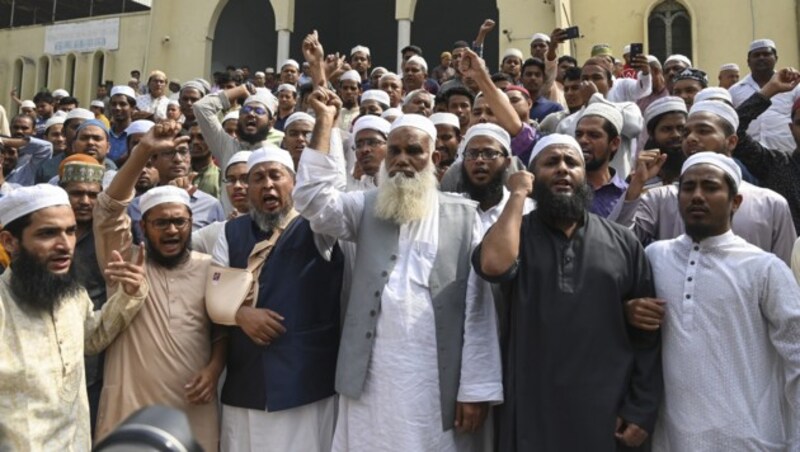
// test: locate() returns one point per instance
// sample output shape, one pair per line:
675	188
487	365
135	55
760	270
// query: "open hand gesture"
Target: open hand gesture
130	275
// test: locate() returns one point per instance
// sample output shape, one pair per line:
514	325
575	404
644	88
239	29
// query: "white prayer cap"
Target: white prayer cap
389	75
626	50
714	93
678	57
298	116
757	44
418	122
123	89
351	75
27	104
361	49
239	157
417	92
721	109
264	97
540	37
556	139
419	60
60	93
446	119
260	74
290	62
174	102
79	113
513	52
270	70
391	113
605	111
492	131
377	95
664	105
729	67
371	122
270	153
376	69
139	126
232	115
60	113
162	195
198	84
653	59
25	200
287	87
721	161
54	120
97	103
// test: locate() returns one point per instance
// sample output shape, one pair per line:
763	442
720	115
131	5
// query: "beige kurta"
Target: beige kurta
165	346
43	402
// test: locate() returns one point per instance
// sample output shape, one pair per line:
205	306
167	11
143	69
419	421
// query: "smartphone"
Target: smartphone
573	32
637	48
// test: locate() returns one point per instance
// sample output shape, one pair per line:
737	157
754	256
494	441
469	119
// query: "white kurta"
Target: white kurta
771	129
399	408
489	216
730	347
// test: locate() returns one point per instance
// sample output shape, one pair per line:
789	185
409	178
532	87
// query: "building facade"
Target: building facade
190	38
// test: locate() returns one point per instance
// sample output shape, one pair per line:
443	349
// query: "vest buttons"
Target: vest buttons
377	293
372	313
393	257
384	273
369	335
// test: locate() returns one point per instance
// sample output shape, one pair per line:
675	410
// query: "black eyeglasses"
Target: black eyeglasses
260	111
183	152
369	142
485	154
233	180
163	224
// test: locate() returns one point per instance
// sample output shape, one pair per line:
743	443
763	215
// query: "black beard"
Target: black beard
491	192
168	262
36	288
252	138
675	158
553	207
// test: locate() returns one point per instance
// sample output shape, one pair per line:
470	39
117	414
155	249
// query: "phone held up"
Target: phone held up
636	49
573	32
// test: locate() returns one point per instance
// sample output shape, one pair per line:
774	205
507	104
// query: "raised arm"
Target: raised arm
499	250
472	66
486	27
315	56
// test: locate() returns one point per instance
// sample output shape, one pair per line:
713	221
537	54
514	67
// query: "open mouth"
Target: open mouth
269	202
60	263
170	245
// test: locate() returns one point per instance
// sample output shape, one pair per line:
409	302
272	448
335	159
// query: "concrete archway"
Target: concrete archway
245	35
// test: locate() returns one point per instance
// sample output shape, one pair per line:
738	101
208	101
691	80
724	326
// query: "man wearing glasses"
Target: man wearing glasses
173	169
170	355
252	129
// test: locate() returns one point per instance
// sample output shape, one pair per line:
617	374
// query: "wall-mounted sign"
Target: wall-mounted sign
80	37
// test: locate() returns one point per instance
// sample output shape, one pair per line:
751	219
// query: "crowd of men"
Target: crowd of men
556	256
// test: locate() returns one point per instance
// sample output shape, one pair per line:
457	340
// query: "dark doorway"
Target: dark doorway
245	36
346	23
439	23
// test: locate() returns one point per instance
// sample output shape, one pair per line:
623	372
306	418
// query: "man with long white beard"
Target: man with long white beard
419	352
47	322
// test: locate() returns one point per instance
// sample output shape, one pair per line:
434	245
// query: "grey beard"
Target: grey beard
267	222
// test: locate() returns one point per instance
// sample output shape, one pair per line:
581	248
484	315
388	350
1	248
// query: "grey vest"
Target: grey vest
448	285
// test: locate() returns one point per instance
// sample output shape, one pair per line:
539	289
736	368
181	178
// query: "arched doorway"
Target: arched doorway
669	30
344	24
439	23
245	36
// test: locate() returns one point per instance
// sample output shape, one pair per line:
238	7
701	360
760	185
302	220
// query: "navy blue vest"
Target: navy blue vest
297	283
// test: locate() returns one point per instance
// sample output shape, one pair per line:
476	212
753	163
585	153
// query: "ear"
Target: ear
10	243
732	141
615	143
737	201
436	157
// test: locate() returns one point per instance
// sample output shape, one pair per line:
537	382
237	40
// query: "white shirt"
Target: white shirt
631	90
157	106
730	347
489	217
399	408
771	129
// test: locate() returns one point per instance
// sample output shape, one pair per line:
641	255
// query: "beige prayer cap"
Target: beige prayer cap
156	73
